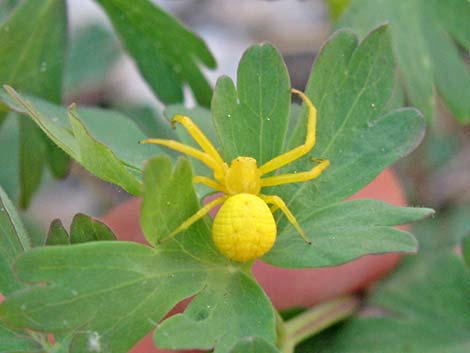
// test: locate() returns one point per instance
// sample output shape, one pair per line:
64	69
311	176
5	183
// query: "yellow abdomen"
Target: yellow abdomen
244	228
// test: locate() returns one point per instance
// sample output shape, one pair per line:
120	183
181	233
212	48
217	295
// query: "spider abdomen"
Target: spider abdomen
244	228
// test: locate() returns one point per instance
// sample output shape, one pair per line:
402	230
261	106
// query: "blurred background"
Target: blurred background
98	72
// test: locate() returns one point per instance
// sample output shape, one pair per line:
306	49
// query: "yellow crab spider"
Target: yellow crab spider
244	228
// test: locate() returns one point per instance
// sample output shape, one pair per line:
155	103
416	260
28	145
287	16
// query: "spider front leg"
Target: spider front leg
279	203
297	177
195	217
301	150
198	136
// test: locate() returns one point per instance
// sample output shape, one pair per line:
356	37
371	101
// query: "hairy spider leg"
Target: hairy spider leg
279	203
198	136
296	153
297	177
195	217
190	151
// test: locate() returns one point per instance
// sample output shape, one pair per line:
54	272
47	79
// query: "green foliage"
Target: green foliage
427	36
82	230
424	308
106	295
342	232
9	137
257	109
111	154
166	53
13	242
92	53
145	284
31	59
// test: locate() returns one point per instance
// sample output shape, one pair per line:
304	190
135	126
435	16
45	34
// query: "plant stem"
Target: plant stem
315	320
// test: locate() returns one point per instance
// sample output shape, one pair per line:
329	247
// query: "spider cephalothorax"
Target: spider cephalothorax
244	228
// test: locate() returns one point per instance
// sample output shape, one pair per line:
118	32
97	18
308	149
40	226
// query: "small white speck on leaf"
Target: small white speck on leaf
94	344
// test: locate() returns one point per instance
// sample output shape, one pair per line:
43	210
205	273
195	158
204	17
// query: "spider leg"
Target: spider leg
190	151
296	153
297	177
198	136
195	217
208	182
279	203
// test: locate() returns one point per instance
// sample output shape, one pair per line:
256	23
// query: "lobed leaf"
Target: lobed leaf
355	131
100	159
155	40
251	120
424	308
81	279
431	59
111	154
31	59
72	285
344	231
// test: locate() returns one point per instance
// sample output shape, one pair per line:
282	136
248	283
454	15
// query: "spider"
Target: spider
244	228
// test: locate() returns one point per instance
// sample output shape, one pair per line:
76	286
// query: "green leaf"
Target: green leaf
344	231
99	159
13	242
161	212
166	53
254	345
57	235
355	130
32	159
112	154
12	341
229	292
93	51
231	308
431	59
251	120
424	308
31	59
9	137
82	230
85	229
144	284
